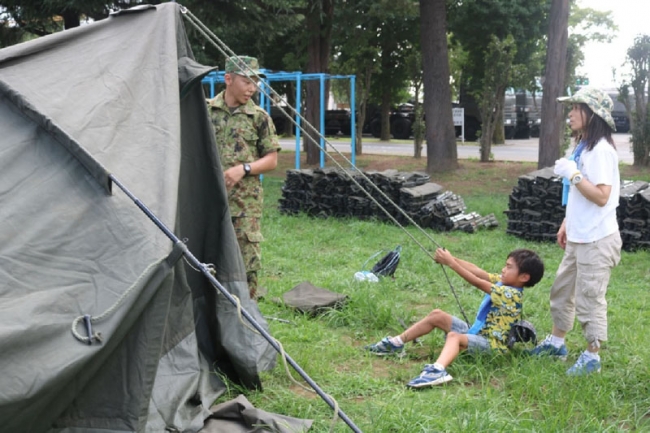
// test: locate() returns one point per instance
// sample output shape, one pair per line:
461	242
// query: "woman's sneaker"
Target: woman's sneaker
584	366
545	348
430	376
385	347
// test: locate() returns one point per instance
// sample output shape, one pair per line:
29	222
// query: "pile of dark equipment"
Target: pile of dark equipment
330	192
535	210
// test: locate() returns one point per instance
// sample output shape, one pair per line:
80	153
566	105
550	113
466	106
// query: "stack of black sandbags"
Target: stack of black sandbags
300	183
332	192
414	201
634	215
535	210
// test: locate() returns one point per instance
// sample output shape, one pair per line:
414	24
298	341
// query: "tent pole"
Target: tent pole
206	272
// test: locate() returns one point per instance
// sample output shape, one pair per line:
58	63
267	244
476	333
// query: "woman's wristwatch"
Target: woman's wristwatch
247	170
576	179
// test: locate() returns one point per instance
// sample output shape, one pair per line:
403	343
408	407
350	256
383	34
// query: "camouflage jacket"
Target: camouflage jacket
243	136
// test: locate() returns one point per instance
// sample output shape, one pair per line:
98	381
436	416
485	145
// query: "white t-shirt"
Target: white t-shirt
585	220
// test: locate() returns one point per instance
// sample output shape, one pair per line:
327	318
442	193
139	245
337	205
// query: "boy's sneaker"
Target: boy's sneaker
584	366
430	376
385	347
545	348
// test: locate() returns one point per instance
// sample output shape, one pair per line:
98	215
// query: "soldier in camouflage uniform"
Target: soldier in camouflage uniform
248	146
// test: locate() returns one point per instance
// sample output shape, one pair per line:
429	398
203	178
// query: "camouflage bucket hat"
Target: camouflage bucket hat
599	102
243	65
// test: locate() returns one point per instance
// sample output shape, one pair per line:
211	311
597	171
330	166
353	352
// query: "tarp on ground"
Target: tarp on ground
116	97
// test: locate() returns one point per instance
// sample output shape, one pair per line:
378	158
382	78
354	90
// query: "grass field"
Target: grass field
490	393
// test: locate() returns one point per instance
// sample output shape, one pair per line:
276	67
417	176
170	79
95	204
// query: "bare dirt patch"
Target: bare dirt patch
302	392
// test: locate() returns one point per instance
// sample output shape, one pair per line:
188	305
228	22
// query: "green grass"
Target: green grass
491	393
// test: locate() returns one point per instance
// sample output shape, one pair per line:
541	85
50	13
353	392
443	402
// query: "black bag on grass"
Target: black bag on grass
387	266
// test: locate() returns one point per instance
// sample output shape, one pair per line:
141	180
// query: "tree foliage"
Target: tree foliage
356	52
42	18
263	29
282	34
499	57
638	56
585	25
376	40
397	39
414	62
473	22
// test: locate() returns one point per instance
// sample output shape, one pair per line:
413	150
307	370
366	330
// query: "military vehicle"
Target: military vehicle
336	121
521	118
619	113
401	118
512	116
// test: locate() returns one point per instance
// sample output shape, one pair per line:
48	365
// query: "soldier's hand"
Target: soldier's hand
232	176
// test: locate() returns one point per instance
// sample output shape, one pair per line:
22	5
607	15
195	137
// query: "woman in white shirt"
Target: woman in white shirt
589	233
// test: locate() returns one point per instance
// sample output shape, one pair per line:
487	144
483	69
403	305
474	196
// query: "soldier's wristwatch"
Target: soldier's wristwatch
247	170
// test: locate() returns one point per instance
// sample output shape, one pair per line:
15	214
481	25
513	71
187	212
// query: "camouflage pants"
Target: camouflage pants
249	237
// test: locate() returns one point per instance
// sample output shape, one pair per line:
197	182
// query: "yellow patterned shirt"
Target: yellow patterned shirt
504	311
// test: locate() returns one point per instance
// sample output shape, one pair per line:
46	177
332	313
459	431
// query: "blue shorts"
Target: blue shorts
475	343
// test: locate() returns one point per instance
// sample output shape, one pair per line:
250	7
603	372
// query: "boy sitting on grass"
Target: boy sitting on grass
501	307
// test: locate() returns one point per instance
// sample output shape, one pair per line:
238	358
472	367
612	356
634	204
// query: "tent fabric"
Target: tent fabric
240	416
116	97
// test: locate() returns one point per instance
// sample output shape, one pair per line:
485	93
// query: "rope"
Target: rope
284	360
89	319
208	272
227	52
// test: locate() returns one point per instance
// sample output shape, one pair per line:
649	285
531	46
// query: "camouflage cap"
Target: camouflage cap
599	102
243	65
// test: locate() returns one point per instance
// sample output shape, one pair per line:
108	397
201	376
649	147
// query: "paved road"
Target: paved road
512	150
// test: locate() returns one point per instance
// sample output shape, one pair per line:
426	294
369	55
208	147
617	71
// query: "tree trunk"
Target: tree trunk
641	129
319	25
442	154
385	116
552	127
70	19
487	128
364	86
417	133
499	136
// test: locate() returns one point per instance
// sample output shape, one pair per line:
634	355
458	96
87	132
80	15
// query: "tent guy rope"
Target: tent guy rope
227	52
207	271
89	320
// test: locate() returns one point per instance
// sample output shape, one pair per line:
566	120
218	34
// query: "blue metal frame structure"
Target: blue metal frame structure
214	78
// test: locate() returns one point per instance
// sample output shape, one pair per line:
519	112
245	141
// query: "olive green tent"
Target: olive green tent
119	97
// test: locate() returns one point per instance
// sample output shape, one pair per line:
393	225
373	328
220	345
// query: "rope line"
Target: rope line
227	52
97	336
208	272
284	362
